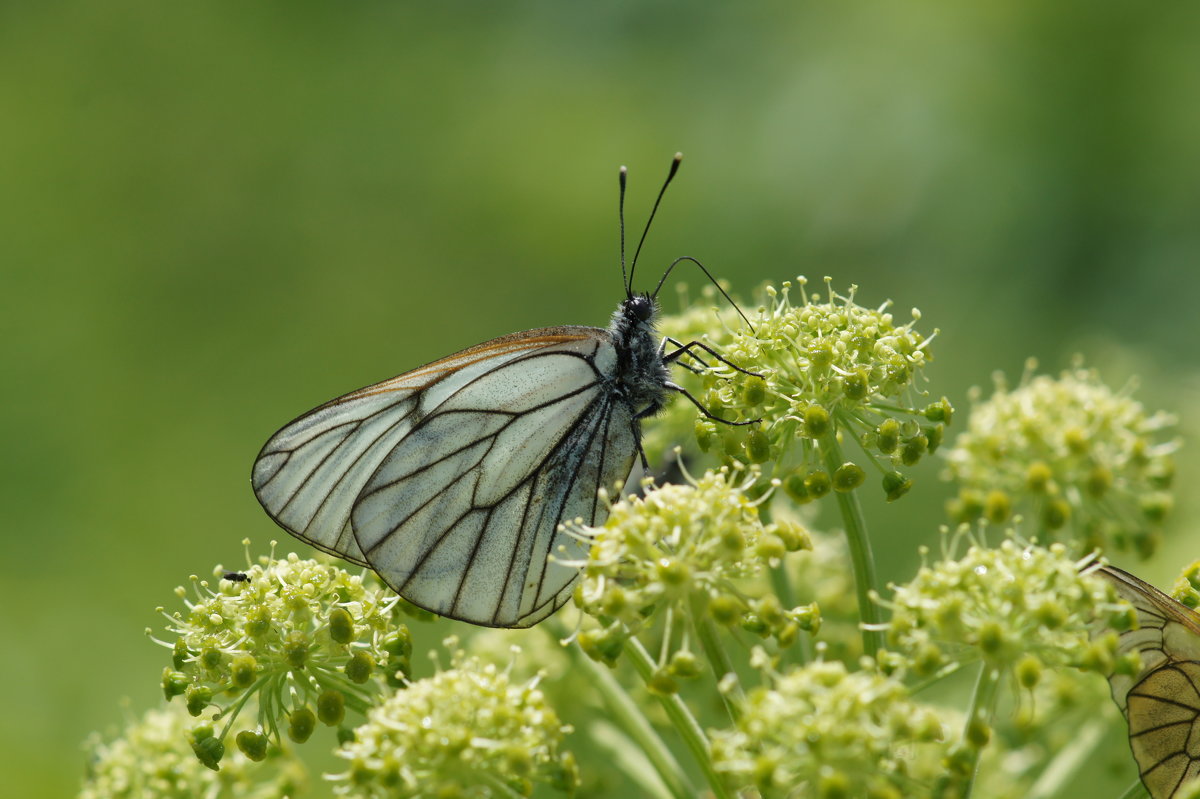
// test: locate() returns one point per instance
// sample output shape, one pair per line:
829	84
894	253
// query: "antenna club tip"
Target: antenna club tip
675	162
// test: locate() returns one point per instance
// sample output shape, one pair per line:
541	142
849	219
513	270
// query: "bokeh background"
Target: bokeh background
214	216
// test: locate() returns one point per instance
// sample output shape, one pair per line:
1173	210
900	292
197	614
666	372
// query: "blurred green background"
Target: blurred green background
214	216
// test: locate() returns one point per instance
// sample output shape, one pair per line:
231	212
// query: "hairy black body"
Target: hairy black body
642	378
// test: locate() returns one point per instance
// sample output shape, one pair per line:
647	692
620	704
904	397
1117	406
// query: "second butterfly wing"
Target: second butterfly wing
450	480
1162	701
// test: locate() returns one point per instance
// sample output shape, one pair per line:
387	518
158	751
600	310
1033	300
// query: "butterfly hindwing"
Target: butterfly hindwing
460	516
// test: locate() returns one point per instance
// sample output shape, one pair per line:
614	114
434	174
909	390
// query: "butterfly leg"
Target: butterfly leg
686	348
691	368
637	438
708	414
662	353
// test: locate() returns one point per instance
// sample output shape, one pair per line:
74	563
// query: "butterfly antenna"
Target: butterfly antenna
674	168
707	274
621	223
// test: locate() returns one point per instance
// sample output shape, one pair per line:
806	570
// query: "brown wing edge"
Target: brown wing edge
1170	606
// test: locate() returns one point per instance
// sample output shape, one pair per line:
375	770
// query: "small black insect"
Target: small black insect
236	577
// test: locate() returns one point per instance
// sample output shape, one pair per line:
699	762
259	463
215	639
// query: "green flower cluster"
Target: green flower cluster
1081	461
824	732
830	369
685	550
1187	588
151	759
470	730
1019	607
306	639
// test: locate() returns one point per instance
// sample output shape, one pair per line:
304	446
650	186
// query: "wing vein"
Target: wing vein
567	492
340	445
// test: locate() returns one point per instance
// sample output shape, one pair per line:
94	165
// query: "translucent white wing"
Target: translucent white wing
1162	702
450	480
460	516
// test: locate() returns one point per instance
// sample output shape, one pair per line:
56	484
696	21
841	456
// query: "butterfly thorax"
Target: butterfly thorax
641	375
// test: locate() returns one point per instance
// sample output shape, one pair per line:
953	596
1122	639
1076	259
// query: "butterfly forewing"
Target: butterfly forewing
1162	701
450	481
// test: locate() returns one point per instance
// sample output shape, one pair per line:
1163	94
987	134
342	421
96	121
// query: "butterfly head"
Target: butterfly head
639	309
632	328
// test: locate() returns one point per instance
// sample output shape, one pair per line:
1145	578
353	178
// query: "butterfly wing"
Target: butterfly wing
460	516
450	480
1162	702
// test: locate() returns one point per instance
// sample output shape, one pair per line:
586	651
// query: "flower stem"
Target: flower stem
685	723
860	550
983	703
498	785
781	586
718	658
1068	761
1136	791
630	719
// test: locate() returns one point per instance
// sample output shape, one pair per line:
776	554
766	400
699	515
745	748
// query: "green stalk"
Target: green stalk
1068	761
718	658
860	550
683	720
983	705
498	785
781	586
626	714
231	713
1136	791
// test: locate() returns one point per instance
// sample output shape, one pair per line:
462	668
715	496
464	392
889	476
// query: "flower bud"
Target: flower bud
243	670
331	707
253	744
818	483
301	723
816	421
895	485
848	477
888	436
341	626
359	667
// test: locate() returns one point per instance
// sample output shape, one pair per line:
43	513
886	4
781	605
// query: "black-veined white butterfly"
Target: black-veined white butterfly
1161	702
451	480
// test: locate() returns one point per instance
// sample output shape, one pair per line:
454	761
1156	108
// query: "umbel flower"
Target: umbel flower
822	731
151	759
1187	588
1082	462
304	639
831	369
1019	607
470	730
686	552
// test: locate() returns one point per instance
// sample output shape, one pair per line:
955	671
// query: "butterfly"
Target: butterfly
1162	701
451	481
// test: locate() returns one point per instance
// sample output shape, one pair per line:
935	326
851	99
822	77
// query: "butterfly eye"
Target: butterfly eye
640	308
